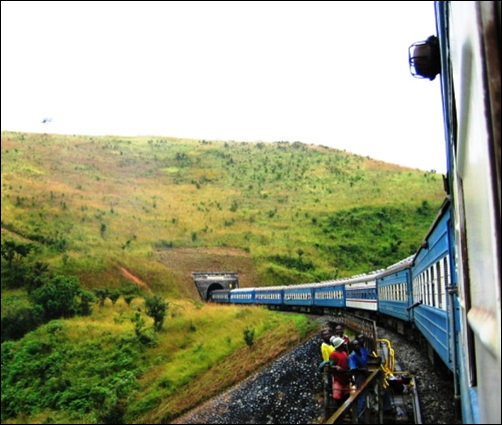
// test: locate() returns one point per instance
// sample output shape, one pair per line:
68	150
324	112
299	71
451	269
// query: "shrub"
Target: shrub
156	308
19	320
57	297
249	336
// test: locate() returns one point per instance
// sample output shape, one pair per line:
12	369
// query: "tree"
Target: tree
36	276
13	252
101	295
156	308
114	295
17	320
249	336
102	230
86	298
58	297
14	273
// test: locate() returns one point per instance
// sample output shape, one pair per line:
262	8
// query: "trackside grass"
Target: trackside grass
88	370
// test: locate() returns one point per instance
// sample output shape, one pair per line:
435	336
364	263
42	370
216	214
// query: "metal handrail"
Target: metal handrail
349	403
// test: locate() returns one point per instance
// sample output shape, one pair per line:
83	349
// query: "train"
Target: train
448	291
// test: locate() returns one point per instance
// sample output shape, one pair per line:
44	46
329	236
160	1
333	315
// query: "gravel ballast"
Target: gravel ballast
289	391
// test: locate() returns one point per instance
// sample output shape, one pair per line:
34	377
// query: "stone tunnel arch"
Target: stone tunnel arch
206	282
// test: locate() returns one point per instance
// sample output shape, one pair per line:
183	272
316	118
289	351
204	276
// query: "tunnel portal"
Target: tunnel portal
206	282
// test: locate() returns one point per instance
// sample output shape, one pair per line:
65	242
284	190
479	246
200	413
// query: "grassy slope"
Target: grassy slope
84	370
276	213
119	201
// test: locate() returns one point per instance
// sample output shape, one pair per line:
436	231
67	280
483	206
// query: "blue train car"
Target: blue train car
220	296
299	295
431	275
330	294
272	295
395	294
242	296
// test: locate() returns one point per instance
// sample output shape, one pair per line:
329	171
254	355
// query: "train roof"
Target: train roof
400	265
442	211
270	288
243	289
362	277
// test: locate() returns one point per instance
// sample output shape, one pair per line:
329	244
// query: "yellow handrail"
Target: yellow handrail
390	362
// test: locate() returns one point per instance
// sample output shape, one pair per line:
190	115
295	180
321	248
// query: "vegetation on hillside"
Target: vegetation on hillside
85	218
99	369
303	213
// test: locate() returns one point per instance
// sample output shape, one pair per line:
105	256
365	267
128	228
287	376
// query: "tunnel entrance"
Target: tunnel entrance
206	282
213	287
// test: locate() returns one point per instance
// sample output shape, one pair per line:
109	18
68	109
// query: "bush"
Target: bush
19	320
249	336
58	297
156	308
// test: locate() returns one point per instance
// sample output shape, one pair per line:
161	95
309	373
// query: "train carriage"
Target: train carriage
395	294
329	294
272	295
431	275
242	296
361	292
299	295
220	296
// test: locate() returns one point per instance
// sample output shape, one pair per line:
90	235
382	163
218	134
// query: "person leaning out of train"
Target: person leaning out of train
340	364
326	346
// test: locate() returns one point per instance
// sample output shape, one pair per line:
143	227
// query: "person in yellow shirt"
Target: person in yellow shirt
326	347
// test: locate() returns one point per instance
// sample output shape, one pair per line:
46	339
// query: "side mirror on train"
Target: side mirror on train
425	58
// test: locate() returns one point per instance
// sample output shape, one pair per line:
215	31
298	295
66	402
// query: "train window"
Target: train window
421	288
426	286
447	279
429	282
416	293
439	275
419	295
433	287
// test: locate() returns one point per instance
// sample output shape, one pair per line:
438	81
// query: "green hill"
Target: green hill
300	213
109	212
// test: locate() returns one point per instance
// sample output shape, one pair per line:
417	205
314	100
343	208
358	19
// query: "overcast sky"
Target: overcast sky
329	73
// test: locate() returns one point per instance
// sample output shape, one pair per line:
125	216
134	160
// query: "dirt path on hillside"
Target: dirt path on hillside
135	279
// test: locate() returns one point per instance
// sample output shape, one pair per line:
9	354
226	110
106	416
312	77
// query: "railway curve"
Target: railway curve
289	391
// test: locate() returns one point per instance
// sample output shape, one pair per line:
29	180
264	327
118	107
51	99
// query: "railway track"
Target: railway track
290	390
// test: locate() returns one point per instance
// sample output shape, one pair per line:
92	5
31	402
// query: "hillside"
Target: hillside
103	213
289	212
